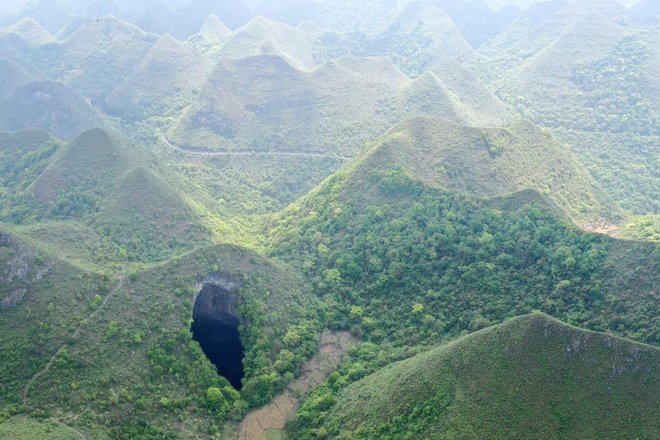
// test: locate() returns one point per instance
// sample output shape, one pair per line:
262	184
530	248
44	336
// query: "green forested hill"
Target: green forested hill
100	191
400	261
602	99
531	377
121	347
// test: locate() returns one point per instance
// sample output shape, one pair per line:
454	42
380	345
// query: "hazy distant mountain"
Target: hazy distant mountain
334	108
50	106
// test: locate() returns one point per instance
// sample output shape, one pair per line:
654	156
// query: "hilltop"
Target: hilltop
542	377
101	192
51	106
29	30
491	162
261	36
334	108
164	81
417	36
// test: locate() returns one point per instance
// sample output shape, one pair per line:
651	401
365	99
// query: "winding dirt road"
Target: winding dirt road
204	151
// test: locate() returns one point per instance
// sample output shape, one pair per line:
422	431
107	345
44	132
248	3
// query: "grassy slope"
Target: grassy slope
43	301
603	99
100	192
531	377
23	428
335	108
493	162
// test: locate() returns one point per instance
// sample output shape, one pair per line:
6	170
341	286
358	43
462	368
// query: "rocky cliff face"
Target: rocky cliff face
216	302
19	267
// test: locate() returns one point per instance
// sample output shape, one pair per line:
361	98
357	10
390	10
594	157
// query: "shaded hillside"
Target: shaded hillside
268	105
49	106
544	378
24	156
14	74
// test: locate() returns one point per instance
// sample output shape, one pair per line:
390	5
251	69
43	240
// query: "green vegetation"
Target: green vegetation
531	377
101	192
373	237
355	170
128	362
23	428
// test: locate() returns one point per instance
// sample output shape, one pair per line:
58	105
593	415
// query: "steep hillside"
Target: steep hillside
211	36
27	297
261	36
49	106
603	99
24	156
531	377
14	74
406	257
100	192
127	340
97	56
29	30
268	105
164	81
492	162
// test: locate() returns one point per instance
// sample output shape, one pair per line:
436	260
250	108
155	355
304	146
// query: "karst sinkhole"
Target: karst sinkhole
215	327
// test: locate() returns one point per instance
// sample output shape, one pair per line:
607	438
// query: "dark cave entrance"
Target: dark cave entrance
215	327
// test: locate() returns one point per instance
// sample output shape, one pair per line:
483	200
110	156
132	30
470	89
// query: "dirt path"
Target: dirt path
28	385
203	151
267	423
